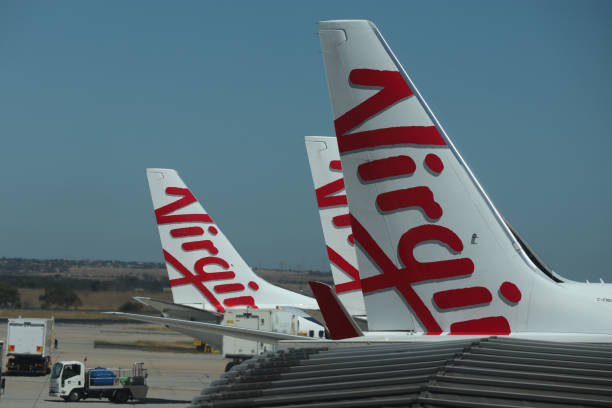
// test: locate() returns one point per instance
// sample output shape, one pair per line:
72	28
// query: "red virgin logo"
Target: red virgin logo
392	89
210	254
327	197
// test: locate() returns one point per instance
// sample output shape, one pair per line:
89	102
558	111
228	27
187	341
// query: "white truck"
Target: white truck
28	346
71	381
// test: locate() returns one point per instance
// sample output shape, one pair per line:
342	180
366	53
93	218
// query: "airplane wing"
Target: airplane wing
177	311
212	328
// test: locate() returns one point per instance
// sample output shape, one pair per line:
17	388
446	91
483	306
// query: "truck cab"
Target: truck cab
67	377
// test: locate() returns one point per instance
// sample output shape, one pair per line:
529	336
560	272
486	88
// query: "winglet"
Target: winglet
338	321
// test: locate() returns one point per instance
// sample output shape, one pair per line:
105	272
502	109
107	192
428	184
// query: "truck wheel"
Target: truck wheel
122	396
230	365
74	396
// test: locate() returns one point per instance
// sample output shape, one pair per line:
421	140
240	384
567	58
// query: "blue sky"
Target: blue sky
92	93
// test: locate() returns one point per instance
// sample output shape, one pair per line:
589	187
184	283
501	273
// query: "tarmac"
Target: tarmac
174	379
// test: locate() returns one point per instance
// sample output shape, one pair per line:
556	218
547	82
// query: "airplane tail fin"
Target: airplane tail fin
205	270
337	319
328	182
434	254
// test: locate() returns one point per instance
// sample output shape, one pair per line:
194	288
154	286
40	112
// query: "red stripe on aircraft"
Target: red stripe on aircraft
484	326
415	135
335	165
343	220
347	268
434	163
253	285
421	197
186	232
387	167
454	298
229	287
204	244
510	292
161	214
190	278
394	89
348	286
213	276
325	197
240	301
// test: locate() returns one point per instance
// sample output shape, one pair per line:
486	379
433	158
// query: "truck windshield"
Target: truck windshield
57	370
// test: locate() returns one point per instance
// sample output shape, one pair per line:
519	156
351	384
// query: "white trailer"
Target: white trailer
71	381
270	320
28	345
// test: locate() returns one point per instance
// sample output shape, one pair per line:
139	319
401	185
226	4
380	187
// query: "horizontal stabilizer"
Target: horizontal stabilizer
339	322
183	312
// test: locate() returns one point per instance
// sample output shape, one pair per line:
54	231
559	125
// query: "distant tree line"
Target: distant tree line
22	265
53	298
121	284
51	266
63	298
310	271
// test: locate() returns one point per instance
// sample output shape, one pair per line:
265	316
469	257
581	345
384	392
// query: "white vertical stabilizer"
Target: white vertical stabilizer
433	253
204	268
326	171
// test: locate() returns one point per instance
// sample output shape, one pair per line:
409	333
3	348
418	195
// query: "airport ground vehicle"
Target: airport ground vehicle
28	347
270	320
239	349
71	381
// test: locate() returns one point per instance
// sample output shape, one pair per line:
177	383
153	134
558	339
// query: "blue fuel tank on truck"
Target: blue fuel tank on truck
101	376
